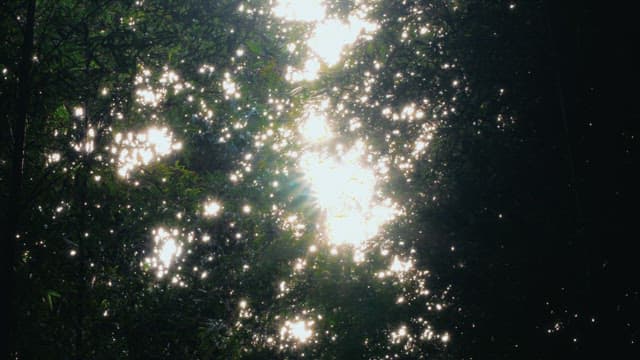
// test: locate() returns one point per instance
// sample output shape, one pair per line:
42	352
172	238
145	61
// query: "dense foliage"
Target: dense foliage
155	205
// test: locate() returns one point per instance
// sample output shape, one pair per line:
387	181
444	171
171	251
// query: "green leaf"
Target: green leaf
50	295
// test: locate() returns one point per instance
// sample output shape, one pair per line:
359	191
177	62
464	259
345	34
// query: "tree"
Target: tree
214	179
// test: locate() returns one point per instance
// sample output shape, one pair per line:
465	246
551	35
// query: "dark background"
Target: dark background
564	250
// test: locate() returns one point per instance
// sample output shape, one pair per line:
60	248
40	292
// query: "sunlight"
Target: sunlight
315	127
244	311
165	252
212	208
308	73
136	150
296	10
445	338
345	191
231	89
400	266
398	335
159	140
78	112
329	38
149	97
53	158
299	330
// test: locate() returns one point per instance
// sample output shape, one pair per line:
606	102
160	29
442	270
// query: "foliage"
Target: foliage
441	94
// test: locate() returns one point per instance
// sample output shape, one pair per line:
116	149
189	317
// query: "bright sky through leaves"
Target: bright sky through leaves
297	330
133	150
330	36
345	190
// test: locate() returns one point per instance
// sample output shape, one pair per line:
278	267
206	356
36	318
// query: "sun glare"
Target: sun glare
135	150
314	127
299	331
400	266
212	209
345	190
166	250
329	37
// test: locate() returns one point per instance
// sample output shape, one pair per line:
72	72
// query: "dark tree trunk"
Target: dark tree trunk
16	172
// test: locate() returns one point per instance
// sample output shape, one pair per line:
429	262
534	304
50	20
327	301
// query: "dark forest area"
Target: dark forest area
339	179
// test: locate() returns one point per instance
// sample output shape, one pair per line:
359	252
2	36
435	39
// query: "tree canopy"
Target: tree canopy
283	179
